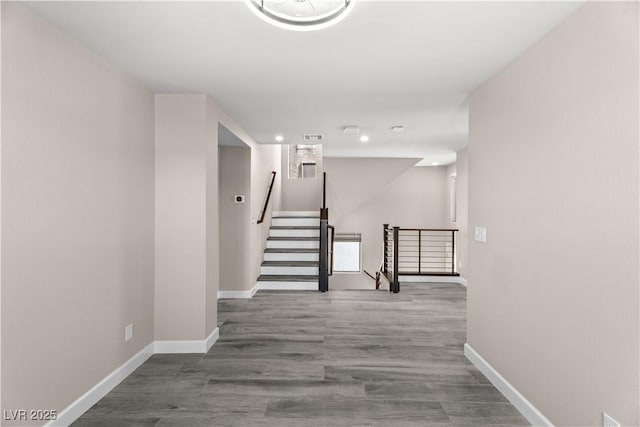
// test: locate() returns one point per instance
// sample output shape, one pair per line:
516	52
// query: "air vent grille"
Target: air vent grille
353	130
313	137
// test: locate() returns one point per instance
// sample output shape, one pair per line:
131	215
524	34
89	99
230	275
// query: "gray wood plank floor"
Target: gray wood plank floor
344	358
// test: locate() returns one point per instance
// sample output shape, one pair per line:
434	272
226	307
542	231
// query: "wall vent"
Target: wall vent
353	130
313	137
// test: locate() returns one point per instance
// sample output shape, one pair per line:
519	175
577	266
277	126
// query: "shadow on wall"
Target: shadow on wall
391	191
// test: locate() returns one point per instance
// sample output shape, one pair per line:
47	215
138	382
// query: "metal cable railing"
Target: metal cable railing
418	252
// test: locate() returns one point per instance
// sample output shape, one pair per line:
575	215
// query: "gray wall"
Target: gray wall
80	177
187	213
461	170
235	219
0	220
366	193
301	194
264	159
182	224
77	211
554	176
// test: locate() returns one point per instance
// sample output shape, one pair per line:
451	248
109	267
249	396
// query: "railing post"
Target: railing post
385	239
324	190
323	265
419	251
396	282
323	259
453	252
330	248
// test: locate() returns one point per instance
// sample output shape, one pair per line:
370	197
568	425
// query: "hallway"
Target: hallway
304	358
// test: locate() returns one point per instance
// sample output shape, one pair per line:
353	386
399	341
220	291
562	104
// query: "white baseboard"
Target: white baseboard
288	286
238	294
211	339
72	412
97	392
269	286
434	279
526	408
185	346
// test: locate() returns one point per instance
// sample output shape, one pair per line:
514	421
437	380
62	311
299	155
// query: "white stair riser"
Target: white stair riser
288	286
293	244
289	271
293	233
290	256
295	222
296	213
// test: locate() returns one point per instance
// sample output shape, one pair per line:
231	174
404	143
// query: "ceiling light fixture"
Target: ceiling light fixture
435	164
364	138
302	15
279	138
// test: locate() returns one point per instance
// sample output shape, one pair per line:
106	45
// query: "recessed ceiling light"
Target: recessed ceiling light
351	130
397	128
434	163
364	138
279	138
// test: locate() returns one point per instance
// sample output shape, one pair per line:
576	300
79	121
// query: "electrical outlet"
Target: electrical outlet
607	421
128	332
480	234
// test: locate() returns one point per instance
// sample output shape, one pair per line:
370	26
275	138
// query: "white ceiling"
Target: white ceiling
410	63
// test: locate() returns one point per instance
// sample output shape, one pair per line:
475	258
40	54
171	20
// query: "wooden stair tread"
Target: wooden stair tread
287	278
291	250
296	239
294	227
290	263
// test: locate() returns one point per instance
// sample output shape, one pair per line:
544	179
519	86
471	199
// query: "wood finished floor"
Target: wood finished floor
344	358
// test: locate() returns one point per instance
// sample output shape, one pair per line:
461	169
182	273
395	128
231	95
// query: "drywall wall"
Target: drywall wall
265	159
181	216
77	211
554	176
0	217
301	194
214	118
410	197
451	196
187	213
462	210
353	181
235	218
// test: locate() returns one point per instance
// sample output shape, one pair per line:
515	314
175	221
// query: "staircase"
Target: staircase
291	256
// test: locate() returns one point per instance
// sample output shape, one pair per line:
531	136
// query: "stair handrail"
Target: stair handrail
266	202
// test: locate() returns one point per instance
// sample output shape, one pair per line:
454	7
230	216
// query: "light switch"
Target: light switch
128	332
480	234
